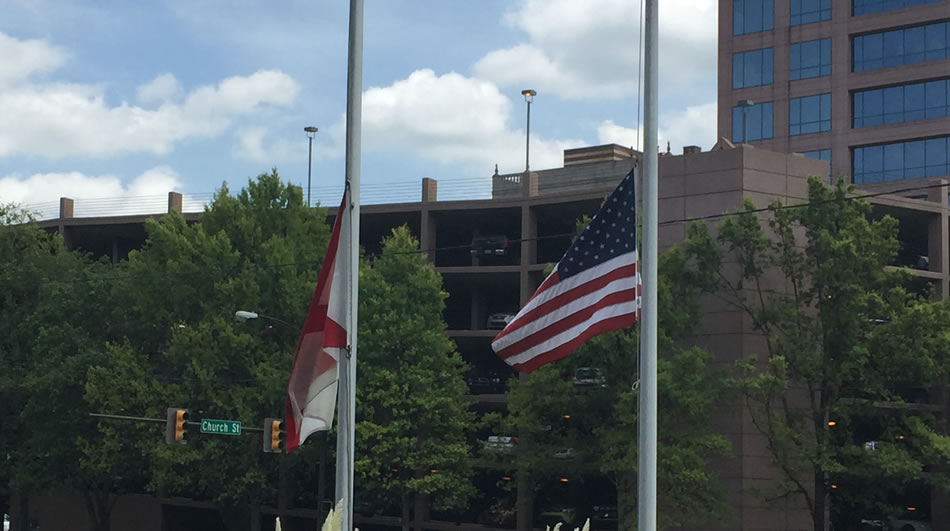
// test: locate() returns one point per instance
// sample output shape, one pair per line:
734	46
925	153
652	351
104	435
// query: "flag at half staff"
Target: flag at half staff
312	388
594	288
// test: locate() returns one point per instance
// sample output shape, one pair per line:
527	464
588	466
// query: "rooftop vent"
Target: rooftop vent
689	150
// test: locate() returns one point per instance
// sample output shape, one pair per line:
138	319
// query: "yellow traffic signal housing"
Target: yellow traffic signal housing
273	435
176	425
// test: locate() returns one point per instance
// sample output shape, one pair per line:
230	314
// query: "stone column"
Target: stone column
174	202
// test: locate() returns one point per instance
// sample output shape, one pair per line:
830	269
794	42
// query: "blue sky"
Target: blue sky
105	98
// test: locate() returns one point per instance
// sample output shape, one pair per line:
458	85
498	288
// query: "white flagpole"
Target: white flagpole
346	425
646	491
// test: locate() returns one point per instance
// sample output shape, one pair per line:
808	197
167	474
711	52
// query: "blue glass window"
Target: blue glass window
809	59
903	103
935	39
864	7
809	114
758	122
900	47
751	16
808	11
821	154
901	160
752	68
935	100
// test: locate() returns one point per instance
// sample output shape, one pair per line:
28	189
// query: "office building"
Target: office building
530	216
862	84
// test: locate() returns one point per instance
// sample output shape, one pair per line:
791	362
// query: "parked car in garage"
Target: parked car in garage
904	522
499	320
500	444
486	383
490	245
565	454
589	377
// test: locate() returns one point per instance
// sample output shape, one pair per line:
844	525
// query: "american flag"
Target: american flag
594	288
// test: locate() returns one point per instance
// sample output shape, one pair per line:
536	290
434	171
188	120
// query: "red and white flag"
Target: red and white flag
594	288
312	388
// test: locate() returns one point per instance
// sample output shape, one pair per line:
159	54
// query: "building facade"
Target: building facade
531	216
862	84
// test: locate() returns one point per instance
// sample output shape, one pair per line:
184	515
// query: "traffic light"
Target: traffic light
176	425
273	435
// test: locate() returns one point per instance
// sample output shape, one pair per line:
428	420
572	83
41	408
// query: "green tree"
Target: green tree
178	344
844	340
597	419
52	304
412	418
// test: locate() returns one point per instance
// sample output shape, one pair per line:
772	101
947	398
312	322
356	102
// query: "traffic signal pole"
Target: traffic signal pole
274	435
247	429
176	422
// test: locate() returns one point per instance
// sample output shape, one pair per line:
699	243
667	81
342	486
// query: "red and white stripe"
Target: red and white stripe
563	314
312	387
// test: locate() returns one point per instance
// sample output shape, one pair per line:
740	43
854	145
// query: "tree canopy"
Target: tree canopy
577	418
52	304
412	418
849	353
178	345
157	330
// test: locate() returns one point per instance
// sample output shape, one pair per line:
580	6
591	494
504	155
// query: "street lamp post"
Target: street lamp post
529	95
242	316
311	132
745	104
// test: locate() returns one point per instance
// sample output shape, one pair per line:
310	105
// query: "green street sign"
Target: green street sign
220	427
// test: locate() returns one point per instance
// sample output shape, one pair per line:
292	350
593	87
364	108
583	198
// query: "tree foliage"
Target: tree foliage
844	342
178	345
412	419
157	331
575	428
52	304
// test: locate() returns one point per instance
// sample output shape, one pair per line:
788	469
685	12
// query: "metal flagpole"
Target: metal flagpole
346	424
646	491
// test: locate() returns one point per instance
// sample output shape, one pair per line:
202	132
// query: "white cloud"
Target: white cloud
610	133
159	90
453	119
694	125
55	119
23	58
251	145
589	49
95	194
528	65
257	144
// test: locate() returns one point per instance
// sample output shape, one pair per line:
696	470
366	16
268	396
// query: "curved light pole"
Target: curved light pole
529	95
243	316
311	132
